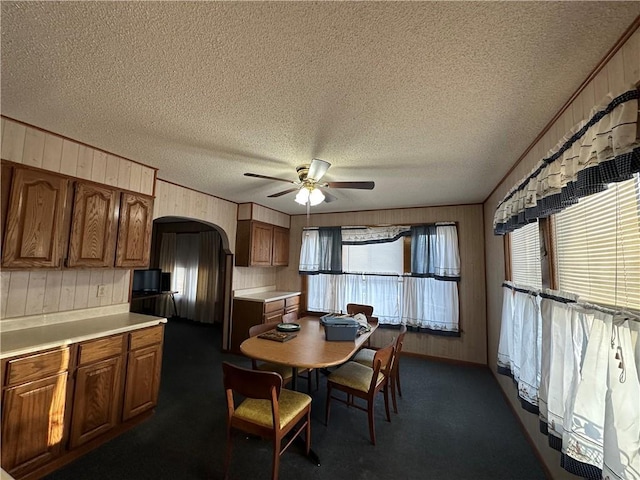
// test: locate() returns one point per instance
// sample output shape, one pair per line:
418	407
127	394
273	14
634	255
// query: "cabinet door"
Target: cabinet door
280	246
134	231
33	423
93	226
5	178
96	400
34	219
261	244
143	381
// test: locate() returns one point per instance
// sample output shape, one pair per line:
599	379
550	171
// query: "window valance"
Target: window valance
599	150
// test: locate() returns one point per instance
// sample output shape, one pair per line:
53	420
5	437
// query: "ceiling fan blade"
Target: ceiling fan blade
284	192
255	175
317	169
358	185
328	198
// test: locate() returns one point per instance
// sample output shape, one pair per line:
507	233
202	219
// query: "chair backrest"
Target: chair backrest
398	344
289	317
261	328
353	308
251	383
382	361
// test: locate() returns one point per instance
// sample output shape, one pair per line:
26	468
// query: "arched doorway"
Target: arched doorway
196	264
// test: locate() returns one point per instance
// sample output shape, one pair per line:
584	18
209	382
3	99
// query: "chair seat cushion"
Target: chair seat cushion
259	411
285	371
354	375
365	357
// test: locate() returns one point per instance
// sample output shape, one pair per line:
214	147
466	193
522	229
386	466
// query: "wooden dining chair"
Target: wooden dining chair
365	357
360	381
267	410
353	308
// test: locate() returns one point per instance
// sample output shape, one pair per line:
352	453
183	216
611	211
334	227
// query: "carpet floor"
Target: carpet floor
453	423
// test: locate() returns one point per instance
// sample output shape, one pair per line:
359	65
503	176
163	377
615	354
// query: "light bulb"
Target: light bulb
316	197
302	196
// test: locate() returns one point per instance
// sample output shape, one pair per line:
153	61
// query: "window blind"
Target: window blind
525	256
598	246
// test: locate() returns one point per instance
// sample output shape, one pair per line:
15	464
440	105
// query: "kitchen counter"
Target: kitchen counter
28	340
264	297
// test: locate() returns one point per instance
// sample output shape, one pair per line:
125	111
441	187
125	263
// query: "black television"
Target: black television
147	281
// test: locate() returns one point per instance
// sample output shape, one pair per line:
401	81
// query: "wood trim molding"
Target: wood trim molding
612	51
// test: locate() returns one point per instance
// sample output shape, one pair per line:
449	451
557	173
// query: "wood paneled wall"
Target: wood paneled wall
471	346
37	292
253	211
177	201
622	70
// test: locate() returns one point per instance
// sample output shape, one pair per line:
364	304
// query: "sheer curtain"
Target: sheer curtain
427	300
166	263
186	274
588	388
207	279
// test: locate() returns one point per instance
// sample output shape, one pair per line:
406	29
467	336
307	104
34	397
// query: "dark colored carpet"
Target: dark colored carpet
453	423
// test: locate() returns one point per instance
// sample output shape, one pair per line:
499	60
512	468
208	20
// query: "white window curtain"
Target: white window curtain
599	150
428	299
589	389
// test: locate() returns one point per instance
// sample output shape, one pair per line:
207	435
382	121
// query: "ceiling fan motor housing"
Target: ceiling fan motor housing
302	171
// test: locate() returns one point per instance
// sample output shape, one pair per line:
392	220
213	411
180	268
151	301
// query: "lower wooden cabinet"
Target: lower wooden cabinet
143	372
33	409
60	403
98	389
33	424
247	313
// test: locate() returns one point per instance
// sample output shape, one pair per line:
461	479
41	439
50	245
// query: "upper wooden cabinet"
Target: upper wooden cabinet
261	245
35	216
94	226
280	247
134	232
48	217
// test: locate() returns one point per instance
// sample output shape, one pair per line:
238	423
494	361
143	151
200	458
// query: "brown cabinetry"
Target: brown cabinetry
261	245
48	217
134	233
98	389
143	371
34	219
59	404
33	410
247	313
94	226
280	247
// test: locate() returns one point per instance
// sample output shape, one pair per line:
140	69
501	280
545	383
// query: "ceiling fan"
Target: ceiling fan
308	185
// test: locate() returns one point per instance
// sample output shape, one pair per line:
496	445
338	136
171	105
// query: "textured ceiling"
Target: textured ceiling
434	101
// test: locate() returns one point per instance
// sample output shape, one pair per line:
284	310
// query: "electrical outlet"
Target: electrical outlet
101	290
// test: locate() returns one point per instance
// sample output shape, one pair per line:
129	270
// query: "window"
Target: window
597	246
370	262
525	256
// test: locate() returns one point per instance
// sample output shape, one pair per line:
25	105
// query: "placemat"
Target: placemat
277	336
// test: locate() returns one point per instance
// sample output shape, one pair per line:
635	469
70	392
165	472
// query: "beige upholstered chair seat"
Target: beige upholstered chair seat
365	357
354	375
259	411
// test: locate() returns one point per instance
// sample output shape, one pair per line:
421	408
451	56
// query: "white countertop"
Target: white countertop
28	340
270	296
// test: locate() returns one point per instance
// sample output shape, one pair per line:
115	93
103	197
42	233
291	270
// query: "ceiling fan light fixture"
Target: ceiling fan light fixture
302	196
316	197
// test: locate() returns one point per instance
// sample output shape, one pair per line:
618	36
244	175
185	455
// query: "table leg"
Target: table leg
294	378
